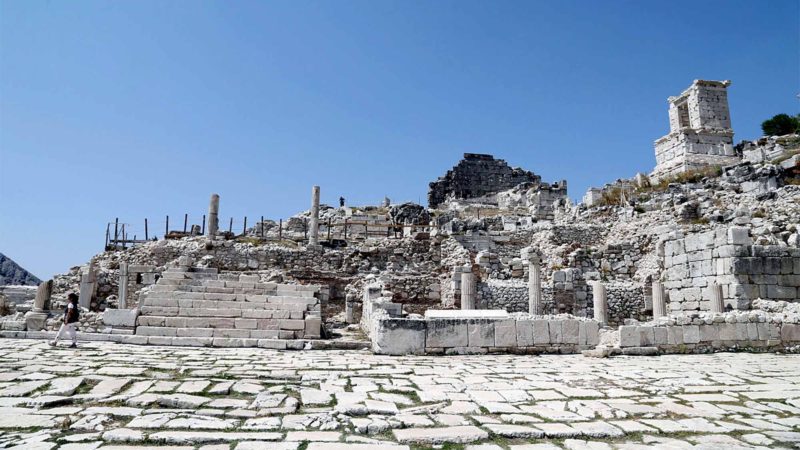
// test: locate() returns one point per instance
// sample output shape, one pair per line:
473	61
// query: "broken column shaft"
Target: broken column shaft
534	284
313	237
123	286
213	215
717	303
659	302
600	300
467	289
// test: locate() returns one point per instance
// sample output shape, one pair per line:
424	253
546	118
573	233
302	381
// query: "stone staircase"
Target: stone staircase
194	306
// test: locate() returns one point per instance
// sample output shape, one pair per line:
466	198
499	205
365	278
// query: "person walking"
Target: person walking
71	315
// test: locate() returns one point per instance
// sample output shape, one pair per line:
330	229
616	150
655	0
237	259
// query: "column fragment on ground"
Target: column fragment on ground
600	302
213	215
467	289
313	236
534	284
717	303
659	302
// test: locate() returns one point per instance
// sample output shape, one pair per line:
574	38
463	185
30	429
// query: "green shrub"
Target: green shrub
780	124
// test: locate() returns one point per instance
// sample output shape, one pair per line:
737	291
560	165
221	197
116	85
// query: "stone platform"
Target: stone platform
111	396
203	307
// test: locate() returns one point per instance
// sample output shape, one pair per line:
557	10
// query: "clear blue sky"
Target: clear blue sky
142	109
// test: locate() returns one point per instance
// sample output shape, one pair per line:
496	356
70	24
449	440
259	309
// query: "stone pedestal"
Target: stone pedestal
123	285
600	300
88	286
467	289
313	232
534	283
213	216
659	302
717	303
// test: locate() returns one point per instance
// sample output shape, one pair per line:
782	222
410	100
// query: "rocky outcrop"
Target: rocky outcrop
12	274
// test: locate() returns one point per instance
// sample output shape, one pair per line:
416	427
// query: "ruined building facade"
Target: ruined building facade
476	176
700	133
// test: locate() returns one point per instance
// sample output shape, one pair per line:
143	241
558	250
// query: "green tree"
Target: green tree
780	124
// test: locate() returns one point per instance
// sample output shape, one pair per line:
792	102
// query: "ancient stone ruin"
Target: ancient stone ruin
701	257
499	261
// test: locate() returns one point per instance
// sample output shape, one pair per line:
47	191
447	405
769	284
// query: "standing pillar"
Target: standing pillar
717	304
123	286
467	288
659	302
213	215
36	319
88	283
534	283
600	302
313	237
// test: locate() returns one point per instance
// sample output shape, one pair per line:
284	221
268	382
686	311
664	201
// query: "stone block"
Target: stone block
555	327
194	332
480	333
726	331
660	335
570	330
313	328
505	333
647	336
541	332
120	317
781	292
446	333
292	324
276	344
674	335
592	333
156	331
790	332
691	334
249	324
159	340
739	236
708	333
524	330
193	341
629	336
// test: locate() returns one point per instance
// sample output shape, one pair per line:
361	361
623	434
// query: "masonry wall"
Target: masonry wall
398	336
726	256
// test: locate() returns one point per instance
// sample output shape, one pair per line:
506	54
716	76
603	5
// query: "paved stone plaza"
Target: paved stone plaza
106	395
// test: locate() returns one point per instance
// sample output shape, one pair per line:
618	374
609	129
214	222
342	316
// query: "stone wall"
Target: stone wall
775	328
727	257
519	333
476	176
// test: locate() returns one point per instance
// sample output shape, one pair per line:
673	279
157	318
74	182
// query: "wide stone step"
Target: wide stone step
297	332
200	300
295	311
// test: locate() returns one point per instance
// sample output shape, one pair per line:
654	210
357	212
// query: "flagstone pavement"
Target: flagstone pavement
113	396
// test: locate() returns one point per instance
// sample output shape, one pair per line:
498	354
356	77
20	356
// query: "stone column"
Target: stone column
659	302
534	284
467	289
717	303
313	233
88	283
213	216
36	319
123	286
600	302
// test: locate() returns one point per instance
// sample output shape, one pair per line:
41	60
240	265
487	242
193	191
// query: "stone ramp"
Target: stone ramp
211	308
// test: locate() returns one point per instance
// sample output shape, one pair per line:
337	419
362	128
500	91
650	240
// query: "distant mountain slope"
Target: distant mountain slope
12	274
